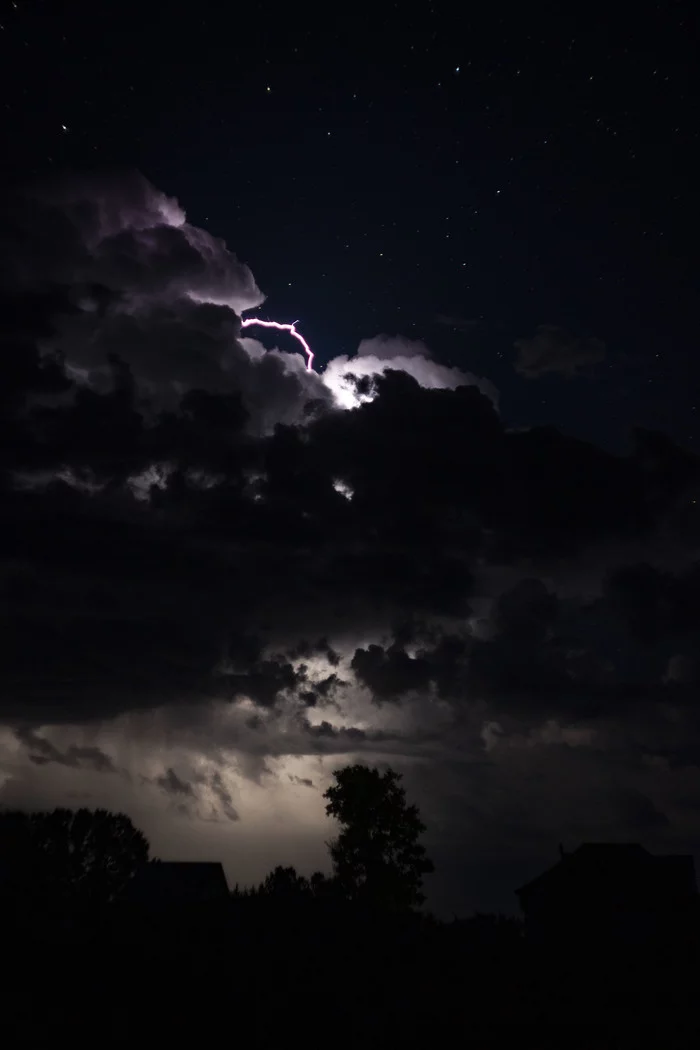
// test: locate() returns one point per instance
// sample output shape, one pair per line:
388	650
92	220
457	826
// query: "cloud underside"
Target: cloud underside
217	580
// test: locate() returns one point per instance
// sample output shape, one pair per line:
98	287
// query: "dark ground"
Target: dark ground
266	974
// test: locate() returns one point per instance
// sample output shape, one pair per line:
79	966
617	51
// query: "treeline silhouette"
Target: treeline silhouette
95	945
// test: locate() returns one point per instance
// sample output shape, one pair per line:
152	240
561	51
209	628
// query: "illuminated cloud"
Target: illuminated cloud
161	295
124	235
344	375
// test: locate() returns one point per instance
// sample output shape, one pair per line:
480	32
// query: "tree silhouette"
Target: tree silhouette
377	859
323	887
285	883
69	856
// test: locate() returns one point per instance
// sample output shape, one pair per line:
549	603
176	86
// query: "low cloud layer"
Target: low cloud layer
223	575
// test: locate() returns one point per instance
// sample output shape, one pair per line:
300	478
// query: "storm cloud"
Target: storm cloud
220	576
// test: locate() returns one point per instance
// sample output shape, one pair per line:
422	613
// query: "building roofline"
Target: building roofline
618	848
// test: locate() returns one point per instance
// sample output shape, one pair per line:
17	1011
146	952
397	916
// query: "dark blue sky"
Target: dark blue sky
378	171
380	168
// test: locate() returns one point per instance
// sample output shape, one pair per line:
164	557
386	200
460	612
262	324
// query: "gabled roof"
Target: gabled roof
170	881
616	860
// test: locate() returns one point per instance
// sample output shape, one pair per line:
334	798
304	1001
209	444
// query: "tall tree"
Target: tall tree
69	856
377	858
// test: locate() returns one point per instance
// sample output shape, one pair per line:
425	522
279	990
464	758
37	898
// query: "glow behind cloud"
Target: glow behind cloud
341	373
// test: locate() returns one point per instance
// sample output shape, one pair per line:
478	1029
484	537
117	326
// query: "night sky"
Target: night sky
223	575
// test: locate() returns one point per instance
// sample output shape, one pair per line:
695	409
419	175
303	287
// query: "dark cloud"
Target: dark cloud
306	650
190	794
301	781
223	796
42	752
159	586
553	349
266	683
344	739
323	690
171	784
193	796
390	673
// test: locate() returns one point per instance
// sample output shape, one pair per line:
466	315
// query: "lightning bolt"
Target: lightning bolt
284	328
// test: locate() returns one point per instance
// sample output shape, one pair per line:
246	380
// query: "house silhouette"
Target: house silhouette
168	905
163	883
611	892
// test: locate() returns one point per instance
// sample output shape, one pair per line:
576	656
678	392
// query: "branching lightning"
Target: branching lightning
284	328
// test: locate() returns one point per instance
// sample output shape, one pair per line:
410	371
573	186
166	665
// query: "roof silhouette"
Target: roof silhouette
607	862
